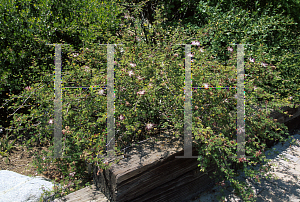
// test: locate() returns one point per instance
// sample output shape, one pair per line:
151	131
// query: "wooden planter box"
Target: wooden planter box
291	122
152	173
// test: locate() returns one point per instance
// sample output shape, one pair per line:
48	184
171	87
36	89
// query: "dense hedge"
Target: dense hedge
152	64
27	26
270	27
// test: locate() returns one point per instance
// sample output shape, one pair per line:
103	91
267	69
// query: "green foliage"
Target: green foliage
6	145
149	82
271	41
28	26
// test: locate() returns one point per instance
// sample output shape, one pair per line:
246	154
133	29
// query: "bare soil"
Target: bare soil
20	161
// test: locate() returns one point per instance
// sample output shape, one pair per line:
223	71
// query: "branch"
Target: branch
23	102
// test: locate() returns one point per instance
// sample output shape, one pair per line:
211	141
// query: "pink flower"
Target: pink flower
229	49
149	126
190	55
86	68
205	85
241	130
101	92
264	64
130	73
122	117
142	92
72	174
258	153
28	88
252	59
197	43
75	55
50	121
201	50
242	159
140	78
132	64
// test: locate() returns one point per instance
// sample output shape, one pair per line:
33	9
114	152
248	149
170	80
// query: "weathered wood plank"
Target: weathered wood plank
152	172
86	194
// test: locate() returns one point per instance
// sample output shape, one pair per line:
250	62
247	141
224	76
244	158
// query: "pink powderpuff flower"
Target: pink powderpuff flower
86	68
75	55
101	92
258	153
50	121
132	64
28	88
130	73
149	126
72	174
197	43
252	59
121	117
230	49
242	159
264	64
142	92
205	85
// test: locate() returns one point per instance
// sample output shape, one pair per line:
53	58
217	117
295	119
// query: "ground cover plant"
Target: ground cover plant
149	95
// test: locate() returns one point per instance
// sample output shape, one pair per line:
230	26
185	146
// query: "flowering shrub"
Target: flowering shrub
149	96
